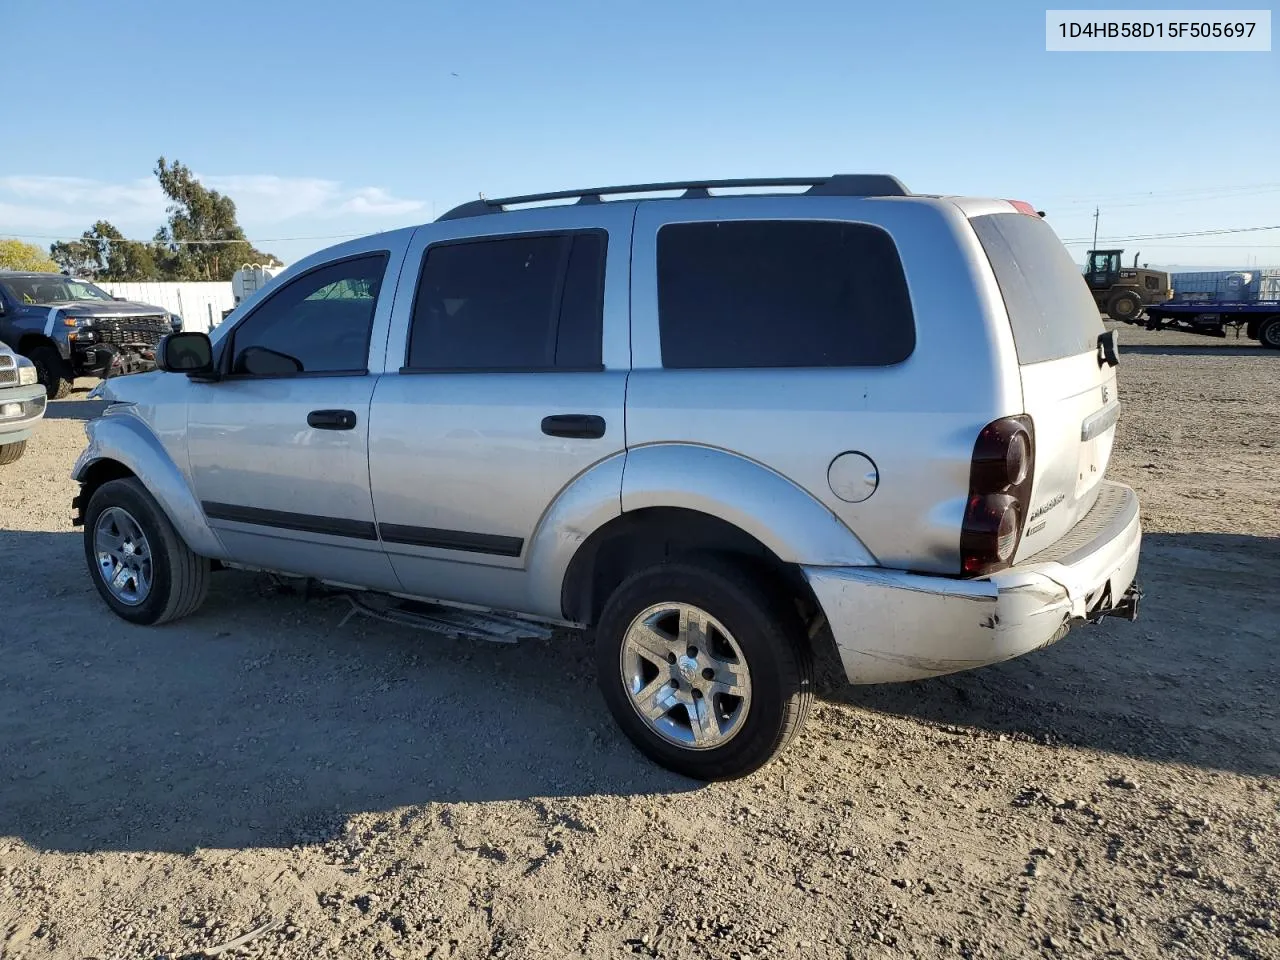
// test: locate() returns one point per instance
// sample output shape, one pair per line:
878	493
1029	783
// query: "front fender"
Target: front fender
125	439
784	517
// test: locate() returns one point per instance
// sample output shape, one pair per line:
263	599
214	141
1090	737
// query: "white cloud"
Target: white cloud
266	198
376	202
68	205
59	203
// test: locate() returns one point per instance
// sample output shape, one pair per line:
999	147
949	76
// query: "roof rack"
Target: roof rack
840	185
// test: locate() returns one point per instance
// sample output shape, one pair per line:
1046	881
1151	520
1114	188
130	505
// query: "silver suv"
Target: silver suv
718	428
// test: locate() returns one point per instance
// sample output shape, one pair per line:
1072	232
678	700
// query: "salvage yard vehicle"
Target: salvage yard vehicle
22	403
1120	291
70	328
716	429
1259	319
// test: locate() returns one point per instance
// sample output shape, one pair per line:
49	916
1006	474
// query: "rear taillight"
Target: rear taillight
1000	475
1023	207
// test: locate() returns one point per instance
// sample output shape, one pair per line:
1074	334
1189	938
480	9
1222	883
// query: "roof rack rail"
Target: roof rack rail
840	185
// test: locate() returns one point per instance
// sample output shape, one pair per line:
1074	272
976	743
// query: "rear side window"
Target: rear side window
781	293
531	302
1050	308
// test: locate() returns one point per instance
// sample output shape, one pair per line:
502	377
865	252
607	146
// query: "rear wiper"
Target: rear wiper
1107	352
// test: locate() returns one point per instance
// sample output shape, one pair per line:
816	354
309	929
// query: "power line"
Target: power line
1154	196
170	243
1173	236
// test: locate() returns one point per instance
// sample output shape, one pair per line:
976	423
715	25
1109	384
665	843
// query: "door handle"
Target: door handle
332	419
580	426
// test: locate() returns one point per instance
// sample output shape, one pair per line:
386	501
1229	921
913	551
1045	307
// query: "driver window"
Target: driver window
318	323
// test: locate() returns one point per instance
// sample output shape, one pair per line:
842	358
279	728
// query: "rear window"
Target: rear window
781	293
1051	310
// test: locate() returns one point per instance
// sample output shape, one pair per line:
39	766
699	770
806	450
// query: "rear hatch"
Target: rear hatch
1068	386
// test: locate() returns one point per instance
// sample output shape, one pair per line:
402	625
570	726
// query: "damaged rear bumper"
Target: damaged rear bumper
890	625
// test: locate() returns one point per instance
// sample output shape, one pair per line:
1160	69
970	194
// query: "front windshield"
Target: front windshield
52	290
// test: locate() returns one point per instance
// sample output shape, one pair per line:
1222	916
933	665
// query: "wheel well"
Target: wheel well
97	473
642	538
34	340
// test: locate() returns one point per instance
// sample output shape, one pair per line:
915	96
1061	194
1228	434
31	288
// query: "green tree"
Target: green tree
76	257
16	255
202	240
103	253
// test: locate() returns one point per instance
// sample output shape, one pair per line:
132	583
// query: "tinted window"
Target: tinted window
1050	308
781	293
516	303
318	323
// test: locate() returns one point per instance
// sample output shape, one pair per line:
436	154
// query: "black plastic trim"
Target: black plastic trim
489	543
304	522
413	371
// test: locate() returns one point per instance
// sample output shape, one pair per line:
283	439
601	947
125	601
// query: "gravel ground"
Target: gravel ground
378	793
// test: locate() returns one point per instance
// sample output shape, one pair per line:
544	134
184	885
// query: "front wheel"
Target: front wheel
52	371
1125	307
1269	333
12	452
704	668
142	568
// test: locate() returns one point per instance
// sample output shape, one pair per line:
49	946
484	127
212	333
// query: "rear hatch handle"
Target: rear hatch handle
1107	352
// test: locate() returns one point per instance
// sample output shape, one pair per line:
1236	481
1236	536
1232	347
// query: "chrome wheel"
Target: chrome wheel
124	556
685	675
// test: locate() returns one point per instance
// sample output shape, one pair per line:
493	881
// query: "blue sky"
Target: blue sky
383	113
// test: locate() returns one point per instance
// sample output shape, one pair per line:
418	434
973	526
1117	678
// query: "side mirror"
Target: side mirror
119	299
190	353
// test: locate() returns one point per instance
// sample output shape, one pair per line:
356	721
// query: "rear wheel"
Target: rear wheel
141	566
1124	306
706	671
52	371
12	452
1269	332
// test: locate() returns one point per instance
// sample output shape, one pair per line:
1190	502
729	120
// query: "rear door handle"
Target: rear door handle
580	426
332	419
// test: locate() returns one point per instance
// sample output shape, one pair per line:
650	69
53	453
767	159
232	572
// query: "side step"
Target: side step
453	622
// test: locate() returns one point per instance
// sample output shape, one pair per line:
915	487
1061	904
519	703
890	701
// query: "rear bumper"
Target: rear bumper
890	625
15	428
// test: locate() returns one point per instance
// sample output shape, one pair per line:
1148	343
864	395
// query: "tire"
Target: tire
12	452
1124	306
763	633
52	371
176	580
1269	333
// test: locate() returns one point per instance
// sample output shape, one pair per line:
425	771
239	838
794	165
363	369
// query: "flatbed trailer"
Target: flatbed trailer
1258	319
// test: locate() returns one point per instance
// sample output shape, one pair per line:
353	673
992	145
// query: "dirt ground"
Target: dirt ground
376	792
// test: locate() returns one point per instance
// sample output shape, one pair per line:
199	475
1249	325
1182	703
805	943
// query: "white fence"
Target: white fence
200	305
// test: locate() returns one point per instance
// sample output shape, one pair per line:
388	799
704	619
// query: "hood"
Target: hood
103	308
134	388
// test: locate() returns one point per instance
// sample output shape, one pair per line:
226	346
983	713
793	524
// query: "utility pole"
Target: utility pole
1096	212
